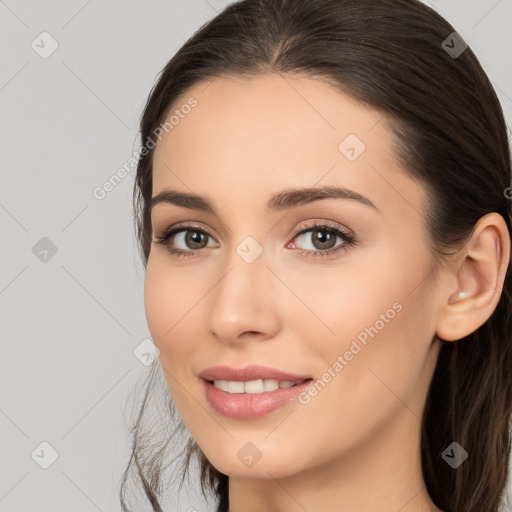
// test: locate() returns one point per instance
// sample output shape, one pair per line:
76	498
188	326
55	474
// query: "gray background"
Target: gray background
70	323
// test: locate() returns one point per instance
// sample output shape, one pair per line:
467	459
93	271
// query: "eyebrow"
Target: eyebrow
289	198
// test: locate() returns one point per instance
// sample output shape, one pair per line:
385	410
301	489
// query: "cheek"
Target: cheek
166	306
169	298
372	383
375	300
384	345
158	302
332	306
169	308
376	318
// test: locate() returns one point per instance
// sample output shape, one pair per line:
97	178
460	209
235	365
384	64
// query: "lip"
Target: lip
250	405
251	372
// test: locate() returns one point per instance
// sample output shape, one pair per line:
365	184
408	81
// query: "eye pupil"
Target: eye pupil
194	237
323	237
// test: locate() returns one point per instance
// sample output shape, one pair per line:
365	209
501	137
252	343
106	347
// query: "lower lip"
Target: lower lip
249	406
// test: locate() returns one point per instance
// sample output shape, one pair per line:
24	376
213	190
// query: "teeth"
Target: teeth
221	384
235	387
270	385
253	386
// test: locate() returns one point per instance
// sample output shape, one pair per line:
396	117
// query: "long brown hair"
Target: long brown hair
450	133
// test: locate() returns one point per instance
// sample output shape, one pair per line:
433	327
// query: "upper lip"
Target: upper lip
248	373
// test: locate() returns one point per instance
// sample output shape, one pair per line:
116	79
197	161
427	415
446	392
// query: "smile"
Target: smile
254	386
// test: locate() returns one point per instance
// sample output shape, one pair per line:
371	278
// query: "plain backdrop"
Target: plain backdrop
72	314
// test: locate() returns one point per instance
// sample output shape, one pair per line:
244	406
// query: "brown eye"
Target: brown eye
185	240
194	239
322	239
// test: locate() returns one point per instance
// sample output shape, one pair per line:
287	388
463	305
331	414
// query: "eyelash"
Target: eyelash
349	239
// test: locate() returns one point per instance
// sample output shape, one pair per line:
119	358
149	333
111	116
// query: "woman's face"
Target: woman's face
353	313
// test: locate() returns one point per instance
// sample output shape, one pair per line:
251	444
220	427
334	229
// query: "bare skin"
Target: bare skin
355	445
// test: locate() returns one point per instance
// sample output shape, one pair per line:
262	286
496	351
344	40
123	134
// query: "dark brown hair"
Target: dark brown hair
450	135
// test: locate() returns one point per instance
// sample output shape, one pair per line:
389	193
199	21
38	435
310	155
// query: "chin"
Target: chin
259	471
244	459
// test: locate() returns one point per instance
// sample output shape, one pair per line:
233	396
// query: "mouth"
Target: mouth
254	387
251	375
251	392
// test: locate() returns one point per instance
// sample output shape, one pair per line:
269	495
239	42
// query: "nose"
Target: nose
244	302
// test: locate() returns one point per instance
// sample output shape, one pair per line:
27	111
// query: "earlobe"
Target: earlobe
480	274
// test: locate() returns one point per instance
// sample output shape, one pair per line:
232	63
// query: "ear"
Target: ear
476	279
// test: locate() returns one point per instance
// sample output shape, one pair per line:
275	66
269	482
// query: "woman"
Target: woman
322	204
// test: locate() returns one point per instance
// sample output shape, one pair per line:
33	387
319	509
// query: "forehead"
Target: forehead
280	109
274	131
